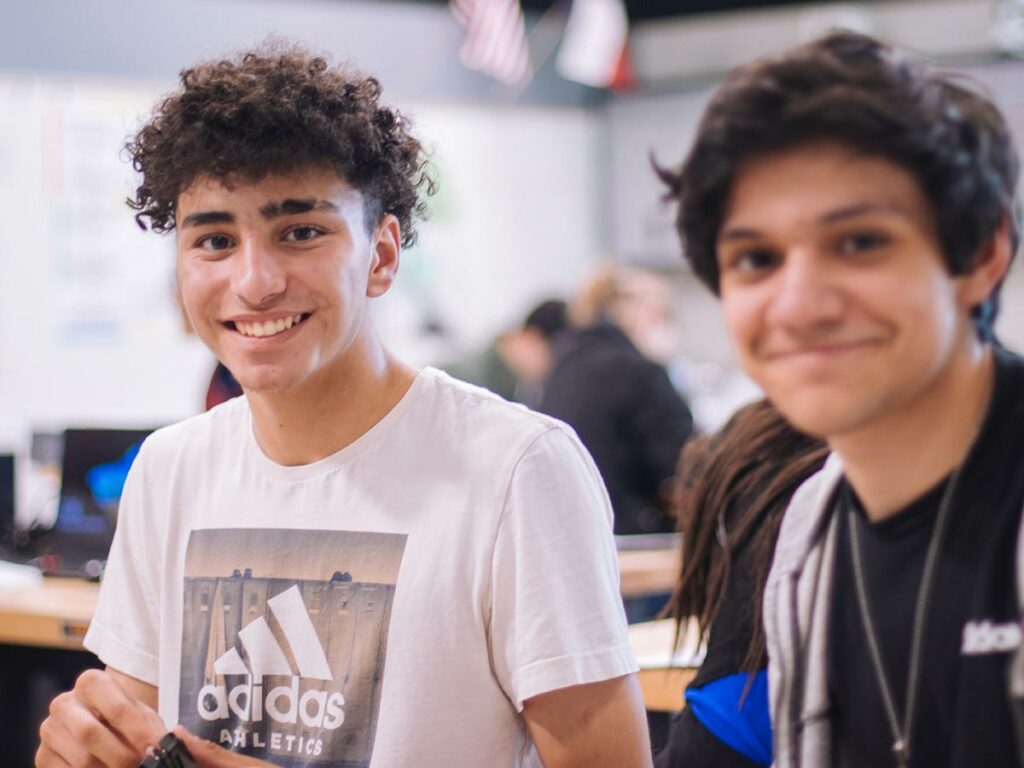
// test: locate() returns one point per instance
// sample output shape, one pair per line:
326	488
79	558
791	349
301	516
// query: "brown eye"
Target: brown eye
862	241
214	243
754	260
303	234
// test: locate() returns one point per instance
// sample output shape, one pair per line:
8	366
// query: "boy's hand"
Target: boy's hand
97	723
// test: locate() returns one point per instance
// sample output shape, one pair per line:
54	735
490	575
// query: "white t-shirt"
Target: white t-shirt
398	600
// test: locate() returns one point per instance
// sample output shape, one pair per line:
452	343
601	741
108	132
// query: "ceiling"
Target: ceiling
645	10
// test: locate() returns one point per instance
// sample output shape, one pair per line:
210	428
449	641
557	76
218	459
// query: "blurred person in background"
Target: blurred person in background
731	491
516	364
487	368
622	404
528	350
856	212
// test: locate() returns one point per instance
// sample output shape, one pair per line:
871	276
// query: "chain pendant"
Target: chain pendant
902	753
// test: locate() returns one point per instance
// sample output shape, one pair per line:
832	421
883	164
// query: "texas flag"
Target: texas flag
594	49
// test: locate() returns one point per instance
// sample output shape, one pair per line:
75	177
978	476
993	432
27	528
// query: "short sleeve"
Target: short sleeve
124	632
557	618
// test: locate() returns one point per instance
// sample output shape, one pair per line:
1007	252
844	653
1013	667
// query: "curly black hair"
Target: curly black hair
854	90
278	110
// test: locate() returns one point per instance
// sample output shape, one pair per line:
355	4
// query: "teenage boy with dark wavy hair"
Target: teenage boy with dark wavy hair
854	210
357	563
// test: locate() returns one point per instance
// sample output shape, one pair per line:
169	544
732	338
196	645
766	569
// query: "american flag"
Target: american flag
495	41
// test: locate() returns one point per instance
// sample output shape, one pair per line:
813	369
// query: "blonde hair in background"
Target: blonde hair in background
636	300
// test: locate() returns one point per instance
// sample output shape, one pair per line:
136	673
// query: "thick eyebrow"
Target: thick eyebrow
291	206
840	214
738	233
206	217
861	209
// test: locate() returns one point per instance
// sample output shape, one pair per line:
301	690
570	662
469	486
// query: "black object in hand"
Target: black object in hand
169	753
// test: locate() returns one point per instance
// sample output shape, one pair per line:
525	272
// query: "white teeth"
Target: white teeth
267	328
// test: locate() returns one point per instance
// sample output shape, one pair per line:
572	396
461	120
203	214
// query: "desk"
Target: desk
53	614
648	571
649	564
663	676
57	612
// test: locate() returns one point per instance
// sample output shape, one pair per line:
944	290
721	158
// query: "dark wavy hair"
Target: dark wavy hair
732	488
852	89
278	110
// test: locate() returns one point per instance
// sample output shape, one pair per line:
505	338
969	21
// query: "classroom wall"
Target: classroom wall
536	189
101	338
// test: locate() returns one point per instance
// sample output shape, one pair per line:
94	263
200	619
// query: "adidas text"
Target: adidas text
985	637
283	704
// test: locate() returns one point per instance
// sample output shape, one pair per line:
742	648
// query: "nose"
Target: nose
258	276
807	296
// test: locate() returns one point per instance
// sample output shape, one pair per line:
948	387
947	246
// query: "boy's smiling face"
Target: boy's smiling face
834	288
275	274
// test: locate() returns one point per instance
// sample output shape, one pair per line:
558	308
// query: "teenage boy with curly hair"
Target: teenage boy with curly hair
357	563
854	210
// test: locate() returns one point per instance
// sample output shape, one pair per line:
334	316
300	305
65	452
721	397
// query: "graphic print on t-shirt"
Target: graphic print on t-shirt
284	638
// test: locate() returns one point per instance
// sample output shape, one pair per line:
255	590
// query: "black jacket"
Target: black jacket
628	414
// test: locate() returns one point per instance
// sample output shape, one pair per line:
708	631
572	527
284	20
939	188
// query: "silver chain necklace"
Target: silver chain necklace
901	733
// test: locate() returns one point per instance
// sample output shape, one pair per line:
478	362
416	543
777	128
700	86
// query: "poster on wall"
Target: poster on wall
115	281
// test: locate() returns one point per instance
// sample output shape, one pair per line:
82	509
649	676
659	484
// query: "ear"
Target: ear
990	265
386	250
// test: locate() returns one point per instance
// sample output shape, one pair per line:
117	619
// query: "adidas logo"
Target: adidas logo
283	704
985	637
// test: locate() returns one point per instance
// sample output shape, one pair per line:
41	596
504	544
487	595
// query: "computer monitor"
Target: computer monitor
94	467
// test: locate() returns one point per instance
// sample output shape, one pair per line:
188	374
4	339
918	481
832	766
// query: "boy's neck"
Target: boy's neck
323	416
895	460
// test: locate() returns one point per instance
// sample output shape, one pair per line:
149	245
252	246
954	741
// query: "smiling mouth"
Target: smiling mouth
824	350
259	330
